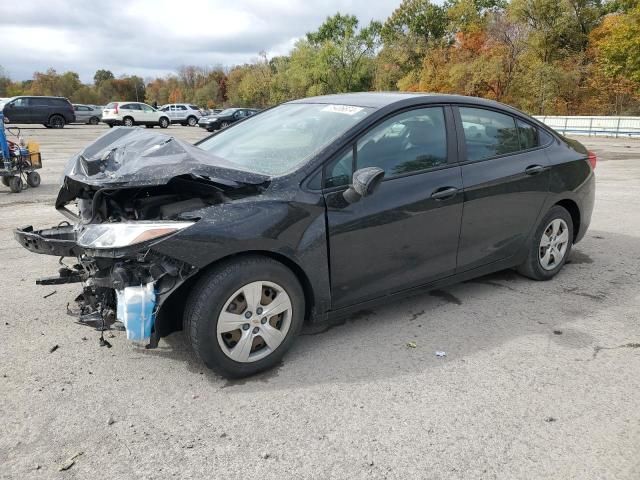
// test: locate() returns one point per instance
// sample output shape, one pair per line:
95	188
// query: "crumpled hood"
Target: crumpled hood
133	157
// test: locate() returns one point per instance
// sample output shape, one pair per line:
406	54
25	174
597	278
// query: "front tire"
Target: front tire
224	124
242	316
15	184
164	122
549	246
127	121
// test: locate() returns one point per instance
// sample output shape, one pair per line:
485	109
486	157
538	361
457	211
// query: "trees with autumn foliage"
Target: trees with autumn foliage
543	56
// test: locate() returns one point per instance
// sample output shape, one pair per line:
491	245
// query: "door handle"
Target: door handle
534	169
444	193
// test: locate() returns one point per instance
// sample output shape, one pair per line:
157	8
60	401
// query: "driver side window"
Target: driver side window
407	142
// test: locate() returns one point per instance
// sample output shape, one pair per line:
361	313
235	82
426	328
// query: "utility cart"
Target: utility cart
19	160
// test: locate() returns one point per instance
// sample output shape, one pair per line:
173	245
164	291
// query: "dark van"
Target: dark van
52	112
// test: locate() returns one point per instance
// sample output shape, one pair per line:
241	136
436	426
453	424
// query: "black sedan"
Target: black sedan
225	118
311	210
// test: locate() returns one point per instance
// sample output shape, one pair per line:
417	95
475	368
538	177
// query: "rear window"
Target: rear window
112	105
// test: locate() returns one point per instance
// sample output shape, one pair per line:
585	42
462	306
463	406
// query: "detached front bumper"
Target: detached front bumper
59	241
110	278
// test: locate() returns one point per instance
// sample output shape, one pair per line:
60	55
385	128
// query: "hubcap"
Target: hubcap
553	244
247	336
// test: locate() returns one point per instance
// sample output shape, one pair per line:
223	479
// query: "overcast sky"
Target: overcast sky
154	37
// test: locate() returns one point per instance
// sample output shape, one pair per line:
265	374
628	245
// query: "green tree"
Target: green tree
101	76
339	55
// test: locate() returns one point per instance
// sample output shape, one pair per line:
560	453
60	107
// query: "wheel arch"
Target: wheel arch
170	314
573	209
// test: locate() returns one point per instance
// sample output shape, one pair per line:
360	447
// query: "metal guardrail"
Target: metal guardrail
593	125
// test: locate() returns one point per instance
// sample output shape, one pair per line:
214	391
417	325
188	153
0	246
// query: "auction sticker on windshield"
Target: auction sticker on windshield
346	109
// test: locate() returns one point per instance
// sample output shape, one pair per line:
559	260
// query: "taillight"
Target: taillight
592	159
116	107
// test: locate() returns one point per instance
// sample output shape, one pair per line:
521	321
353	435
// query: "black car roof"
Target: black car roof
383	99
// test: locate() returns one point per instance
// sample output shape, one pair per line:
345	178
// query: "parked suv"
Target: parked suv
183	113
87	114
52	112
134	113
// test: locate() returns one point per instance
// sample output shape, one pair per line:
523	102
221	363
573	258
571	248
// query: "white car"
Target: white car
182	113
134	113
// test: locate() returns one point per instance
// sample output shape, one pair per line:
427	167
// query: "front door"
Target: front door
406	233
18	111
506	181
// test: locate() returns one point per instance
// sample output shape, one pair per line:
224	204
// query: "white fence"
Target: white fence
596	126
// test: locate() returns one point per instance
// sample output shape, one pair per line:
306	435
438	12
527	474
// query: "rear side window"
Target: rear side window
193	107
528	135
488	134
180	107
40	102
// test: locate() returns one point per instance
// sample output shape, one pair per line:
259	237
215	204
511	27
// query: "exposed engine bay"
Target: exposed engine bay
122	196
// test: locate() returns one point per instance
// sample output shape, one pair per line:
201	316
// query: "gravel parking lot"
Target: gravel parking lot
540	380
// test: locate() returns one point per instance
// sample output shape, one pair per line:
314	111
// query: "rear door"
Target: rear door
406	233
180	113
505	173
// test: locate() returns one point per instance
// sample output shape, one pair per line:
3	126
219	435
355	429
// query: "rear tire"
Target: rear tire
15	184
56	121
94	121
5	181
33	179
550	245
192	121
218	287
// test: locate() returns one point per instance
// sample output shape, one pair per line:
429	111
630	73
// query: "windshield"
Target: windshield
227	111
282	138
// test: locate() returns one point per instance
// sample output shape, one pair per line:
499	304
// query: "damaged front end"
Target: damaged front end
124	196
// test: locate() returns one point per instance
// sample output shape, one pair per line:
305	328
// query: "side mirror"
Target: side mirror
364	183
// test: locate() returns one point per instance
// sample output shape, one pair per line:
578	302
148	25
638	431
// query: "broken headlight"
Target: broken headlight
118	235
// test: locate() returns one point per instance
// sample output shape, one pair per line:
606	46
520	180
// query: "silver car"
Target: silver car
87	114
182	113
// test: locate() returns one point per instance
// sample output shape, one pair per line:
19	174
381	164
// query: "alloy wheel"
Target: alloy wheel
254	321
553	244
